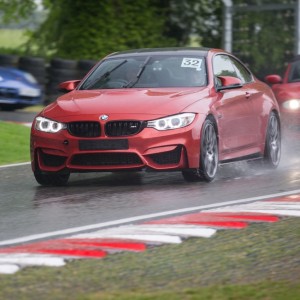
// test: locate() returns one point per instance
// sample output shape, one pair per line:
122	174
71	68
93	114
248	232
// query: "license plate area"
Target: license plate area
114	144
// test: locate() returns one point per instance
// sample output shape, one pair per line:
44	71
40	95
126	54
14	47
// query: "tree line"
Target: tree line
91	29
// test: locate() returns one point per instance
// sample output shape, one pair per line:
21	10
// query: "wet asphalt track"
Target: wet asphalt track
27	208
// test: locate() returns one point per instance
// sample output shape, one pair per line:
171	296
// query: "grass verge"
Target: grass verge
12	39
34	108
15	141
260	262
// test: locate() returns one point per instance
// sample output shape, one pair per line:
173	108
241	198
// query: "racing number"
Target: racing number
191	63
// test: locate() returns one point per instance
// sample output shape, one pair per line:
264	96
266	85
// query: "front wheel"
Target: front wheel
54	179
273	142
209	155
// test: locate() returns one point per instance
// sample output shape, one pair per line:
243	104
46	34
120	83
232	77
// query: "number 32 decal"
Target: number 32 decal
191	63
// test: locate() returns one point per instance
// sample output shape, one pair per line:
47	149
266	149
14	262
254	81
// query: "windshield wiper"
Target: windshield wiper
138	75
106	74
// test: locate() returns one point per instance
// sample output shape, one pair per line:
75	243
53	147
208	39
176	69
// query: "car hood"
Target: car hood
151	102
7	73
287	91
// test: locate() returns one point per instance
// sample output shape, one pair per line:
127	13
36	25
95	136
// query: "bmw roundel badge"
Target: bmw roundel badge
103	117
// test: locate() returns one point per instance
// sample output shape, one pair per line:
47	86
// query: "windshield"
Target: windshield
148	71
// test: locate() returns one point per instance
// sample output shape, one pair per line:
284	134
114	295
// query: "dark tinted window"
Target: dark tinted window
294	75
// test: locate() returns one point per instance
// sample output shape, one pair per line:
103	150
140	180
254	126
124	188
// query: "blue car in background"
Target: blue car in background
18	89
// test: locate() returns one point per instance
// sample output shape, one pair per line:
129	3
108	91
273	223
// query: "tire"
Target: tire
51	97
8	60
209	155
39	74
86	65
59	63
54	179
28	62
272	152
59	74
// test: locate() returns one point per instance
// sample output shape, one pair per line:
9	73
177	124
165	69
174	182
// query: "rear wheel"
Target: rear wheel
55	178
209	155
273	142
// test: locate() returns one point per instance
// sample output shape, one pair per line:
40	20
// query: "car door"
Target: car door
237	122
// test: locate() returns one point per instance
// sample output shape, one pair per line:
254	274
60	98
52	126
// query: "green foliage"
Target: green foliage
13	10
12	41
186	18
264	39
91	29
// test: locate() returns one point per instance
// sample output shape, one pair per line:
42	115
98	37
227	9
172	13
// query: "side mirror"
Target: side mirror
228	82
273	79
68	86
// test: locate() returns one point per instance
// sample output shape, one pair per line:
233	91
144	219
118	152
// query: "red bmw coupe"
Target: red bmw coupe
185	109
287	92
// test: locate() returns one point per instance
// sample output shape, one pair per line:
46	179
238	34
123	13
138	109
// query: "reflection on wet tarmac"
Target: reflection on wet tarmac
27	208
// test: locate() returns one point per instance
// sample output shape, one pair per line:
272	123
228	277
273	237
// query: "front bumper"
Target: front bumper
158	150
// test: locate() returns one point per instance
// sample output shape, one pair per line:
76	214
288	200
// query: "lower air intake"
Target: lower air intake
106	159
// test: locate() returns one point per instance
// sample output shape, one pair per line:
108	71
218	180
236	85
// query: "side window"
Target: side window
241	71
295	72
222	66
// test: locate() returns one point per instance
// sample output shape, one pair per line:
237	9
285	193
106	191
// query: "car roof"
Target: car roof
167	51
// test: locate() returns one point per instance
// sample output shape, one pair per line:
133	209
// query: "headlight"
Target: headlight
172	122
47	125
292	104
